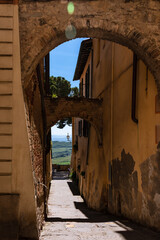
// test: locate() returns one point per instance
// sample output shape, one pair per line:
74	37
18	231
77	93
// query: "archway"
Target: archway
128	23
114	22
88	109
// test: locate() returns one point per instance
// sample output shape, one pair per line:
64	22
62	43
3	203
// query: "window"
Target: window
80	128
86	127
81	88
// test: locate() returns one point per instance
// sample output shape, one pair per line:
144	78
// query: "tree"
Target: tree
74	92
60	87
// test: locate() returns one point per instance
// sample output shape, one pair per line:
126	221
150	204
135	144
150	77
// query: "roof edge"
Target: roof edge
84	52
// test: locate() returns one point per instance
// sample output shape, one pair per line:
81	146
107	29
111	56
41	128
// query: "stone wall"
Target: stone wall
35	133
134	24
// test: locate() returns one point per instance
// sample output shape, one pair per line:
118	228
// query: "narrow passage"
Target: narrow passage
70	219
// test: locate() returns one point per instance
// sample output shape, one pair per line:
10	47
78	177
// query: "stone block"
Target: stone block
6	61
5	185
6	115
6	48
5	154
6	36
5	128
5	141
6	10
5	101
6	75
5	88
5	167
6	23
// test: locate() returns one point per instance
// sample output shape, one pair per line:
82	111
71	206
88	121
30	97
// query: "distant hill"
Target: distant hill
61	152
60	138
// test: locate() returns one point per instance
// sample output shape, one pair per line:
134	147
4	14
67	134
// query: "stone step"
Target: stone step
6	10
5	141
6	36
5	154
6	75
5	115
6	61
5	48
6	23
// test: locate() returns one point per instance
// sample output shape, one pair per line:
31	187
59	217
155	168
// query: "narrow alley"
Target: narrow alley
69	218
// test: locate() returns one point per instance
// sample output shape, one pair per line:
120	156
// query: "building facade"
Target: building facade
121	175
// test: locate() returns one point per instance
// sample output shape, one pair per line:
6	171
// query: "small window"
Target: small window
86	127
80	128
81	88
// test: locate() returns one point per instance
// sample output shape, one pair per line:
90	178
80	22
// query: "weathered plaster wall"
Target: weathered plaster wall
123	175
133	143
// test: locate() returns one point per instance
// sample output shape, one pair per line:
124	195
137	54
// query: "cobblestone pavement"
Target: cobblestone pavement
70	219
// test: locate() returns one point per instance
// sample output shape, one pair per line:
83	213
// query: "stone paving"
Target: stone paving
70	219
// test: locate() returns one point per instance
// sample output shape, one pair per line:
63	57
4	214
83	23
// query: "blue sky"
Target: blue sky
63	60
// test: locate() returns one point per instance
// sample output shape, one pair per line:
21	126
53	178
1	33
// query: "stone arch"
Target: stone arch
88	109
134	24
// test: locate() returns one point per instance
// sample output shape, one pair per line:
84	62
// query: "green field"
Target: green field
61	152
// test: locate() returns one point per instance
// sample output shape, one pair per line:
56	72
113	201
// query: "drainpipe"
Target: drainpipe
44	137
134	81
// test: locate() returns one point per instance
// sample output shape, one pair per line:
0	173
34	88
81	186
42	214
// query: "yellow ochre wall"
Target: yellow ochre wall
122	176
18	216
